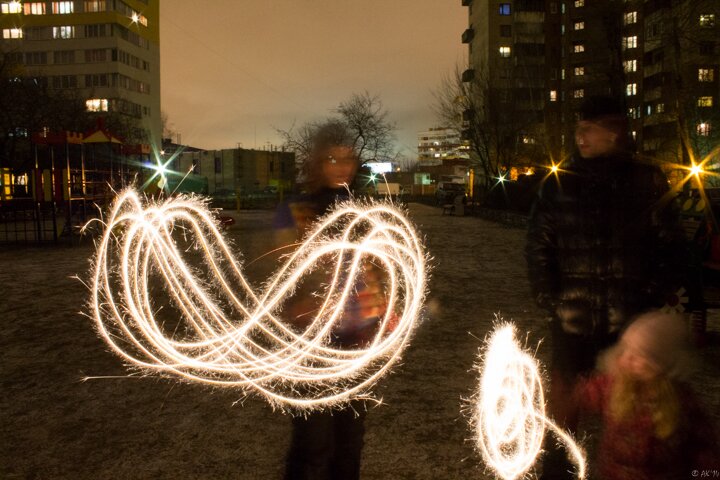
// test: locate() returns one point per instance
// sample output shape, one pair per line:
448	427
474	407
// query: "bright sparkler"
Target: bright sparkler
509	417
226	334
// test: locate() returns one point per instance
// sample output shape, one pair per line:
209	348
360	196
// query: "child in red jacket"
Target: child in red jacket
653	425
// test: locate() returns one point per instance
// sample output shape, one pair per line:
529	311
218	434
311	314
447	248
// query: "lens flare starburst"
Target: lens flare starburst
222	331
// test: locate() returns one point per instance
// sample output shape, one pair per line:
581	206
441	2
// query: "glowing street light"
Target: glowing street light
696	170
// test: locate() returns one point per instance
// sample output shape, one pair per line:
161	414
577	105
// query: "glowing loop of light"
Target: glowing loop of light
509	417
229	335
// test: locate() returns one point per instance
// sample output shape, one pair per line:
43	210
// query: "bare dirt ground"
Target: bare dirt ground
53	425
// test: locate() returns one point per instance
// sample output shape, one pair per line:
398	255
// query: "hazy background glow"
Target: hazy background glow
233	70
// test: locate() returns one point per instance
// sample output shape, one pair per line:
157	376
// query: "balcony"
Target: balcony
468	35
468	75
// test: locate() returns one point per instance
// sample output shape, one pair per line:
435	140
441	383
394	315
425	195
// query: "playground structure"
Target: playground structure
73	177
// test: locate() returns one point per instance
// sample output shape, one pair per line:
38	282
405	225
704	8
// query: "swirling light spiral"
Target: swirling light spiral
221	331
509	413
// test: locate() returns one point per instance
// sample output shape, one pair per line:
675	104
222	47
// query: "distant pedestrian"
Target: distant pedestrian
653	425
603	245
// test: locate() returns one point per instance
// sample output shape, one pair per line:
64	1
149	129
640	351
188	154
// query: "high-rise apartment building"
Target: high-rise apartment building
506	59
439	146
660	56
105	51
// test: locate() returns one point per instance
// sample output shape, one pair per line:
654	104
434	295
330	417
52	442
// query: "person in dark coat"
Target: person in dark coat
328	444
603	245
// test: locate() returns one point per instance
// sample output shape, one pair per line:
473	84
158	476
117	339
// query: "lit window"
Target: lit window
553	95
634	112
94	5
579	71
633	134
562	74
707	20
12	33
11	7
629	18
504	52
579	3
504	9
705	102
65	31
579	93
629	42
579	48
660	108
648	110
34	8
579	26
562	7
62	8
703	129
631	89
96	105
630	65
706	74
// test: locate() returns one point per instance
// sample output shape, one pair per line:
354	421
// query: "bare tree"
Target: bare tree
366	118
483	114
407	164
363	115
168	129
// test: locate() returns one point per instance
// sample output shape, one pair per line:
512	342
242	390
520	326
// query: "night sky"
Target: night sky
232	71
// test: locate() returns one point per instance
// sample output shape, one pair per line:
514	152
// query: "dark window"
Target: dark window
506	30
218	165
707	48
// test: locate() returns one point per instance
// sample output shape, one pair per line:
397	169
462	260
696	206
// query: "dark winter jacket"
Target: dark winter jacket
603	243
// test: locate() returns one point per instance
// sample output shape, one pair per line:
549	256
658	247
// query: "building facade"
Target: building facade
107	52
239	170
439	145
660	56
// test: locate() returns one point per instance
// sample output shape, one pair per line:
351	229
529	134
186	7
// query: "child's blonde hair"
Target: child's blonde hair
661	338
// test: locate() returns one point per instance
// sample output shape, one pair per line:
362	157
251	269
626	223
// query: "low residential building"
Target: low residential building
238	169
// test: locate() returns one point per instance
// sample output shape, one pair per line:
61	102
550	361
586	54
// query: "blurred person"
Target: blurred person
603	245
328	444
653	426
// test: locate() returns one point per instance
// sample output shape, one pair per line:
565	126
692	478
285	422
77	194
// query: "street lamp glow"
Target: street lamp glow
554	168
696	170
135	18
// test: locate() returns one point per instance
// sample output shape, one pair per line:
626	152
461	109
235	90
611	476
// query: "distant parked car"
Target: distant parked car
445	192
224	198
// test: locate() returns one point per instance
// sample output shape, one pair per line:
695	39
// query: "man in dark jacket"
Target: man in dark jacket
603	245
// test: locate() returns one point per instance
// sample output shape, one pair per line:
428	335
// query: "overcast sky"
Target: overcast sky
233	70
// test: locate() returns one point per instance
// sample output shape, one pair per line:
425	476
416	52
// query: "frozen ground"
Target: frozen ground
55	426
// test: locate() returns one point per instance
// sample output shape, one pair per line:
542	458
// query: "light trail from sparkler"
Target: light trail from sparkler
509	413
223	332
